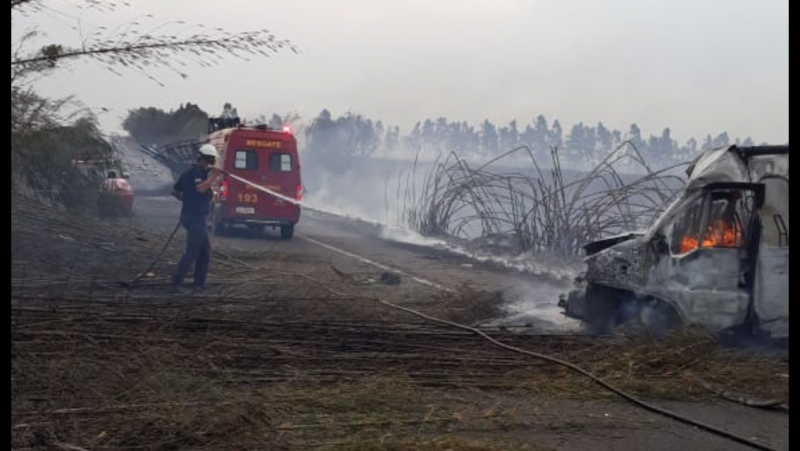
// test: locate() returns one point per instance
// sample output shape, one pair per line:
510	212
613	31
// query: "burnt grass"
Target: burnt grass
285	358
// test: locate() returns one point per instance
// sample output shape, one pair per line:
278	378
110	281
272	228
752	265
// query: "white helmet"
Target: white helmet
208	150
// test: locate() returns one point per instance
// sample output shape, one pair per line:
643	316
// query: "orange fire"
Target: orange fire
718	234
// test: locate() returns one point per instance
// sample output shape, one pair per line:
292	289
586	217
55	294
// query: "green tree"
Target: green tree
151	125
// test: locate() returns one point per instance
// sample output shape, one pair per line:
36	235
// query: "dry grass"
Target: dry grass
466	305
539	211
675	368
438	444
293	366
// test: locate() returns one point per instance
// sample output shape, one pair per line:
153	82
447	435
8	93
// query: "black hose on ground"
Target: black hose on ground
133	282
621	393
624	395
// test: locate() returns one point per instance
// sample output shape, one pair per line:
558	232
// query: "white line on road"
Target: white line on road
376	264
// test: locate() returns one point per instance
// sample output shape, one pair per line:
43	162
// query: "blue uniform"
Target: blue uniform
194	212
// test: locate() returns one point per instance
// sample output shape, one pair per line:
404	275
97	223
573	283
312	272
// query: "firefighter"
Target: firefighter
193	188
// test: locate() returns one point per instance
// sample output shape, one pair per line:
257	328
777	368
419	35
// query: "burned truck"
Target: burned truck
717	257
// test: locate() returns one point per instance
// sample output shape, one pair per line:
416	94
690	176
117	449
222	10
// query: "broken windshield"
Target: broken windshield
711	221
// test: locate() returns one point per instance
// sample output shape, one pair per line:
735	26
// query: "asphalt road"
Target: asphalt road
360	246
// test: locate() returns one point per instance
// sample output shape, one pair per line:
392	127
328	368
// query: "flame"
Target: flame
718	234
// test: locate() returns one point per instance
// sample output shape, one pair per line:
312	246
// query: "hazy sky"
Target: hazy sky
697	66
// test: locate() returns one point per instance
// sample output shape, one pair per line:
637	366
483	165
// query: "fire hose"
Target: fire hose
137	279
261	188
160	254
571	366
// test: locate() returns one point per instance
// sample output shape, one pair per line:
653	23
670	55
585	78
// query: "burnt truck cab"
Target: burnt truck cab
718	256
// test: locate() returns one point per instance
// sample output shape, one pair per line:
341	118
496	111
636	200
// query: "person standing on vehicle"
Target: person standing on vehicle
193	188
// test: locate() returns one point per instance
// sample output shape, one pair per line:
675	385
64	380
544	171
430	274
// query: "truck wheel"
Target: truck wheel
658	317
287	232
602	309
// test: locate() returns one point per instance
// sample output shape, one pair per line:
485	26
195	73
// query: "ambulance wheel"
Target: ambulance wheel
287	232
